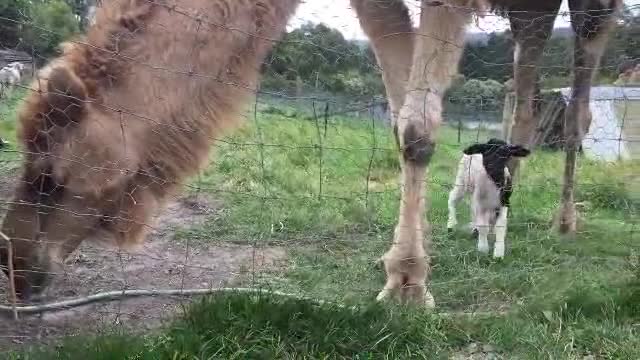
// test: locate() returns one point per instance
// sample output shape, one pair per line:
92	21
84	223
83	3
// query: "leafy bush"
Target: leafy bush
478	94
52	22
14	11
278	84
324	59
37	26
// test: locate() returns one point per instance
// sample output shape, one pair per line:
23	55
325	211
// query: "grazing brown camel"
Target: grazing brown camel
129	111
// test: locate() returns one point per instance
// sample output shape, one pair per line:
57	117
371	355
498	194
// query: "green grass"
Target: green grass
269	328
335	234
8	106
234	326
333	199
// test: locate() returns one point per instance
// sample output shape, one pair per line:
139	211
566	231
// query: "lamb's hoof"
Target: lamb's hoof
383	295
483	247
429	301
379	264
449	233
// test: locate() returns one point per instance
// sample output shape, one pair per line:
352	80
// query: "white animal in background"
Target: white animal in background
16	64
482	171
10	76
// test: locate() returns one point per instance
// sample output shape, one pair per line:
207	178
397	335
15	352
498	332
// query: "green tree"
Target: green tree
492	60
623	48
80	9
323	59
311	49
477	94
13	13
50	23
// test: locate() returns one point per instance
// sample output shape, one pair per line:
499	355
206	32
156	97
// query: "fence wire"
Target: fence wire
303	198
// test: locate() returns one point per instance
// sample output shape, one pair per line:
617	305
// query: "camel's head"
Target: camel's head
31	274
30	260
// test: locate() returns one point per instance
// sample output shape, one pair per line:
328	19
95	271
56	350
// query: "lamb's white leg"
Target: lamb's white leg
454	197
483	242
501	231
473	226
482	225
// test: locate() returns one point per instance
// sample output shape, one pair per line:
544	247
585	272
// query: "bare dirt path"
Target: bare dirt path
162	263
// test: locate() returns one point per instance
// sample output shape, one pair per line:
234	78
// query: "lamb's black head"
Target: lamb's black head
495	155
496	150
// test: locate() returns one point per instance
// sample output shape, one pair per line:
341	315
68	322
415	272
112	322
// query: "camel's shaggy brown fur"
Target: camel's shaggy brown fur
129	111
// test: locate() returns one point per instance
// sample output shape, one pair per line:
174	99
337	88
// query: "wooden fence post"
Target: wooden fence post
507	115
12	287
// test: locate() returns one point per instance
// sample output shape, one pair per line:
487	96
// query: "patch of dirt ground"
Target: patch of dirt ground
160	264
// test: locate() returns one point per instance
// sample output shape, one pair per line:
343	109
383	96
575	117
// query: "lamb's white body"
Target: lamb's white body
11	73
10	76
487	211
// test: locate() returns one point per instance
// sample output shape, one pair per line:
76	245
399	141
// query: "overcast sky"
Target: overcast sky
338	14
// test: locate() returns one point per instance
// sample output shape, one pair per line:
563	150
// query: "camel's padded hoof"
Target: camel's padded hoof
424	298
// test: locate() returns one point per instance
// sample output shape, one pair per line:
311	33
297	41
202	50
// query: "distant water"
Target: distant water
474	125
486	125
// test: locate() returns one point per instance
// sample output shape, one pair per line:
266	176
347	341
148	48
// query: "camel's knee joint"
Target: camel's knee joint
418	146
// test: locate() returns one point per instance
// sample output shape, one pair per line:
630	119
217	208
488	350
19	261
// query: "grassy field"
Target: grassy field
8	107
332	199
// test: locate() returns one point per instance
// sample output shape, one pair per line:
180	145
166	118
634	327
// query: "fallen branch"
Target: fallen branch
123	294
12	282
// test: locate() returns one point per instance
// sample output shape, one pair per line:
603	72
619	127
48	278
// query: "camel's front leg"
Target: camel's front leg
438	46
592	22
406	263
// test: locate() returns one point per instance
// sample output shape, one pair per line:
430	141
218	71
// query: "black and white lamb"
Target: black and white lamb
482	171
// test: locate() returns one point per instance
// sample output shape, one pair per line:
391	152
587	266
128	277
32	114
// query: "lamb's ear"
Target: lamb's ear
496	141
477	149
518	151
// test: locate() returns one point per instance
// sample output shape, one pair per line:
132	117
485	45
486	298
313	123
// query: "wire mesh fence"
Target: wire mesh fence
302	198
